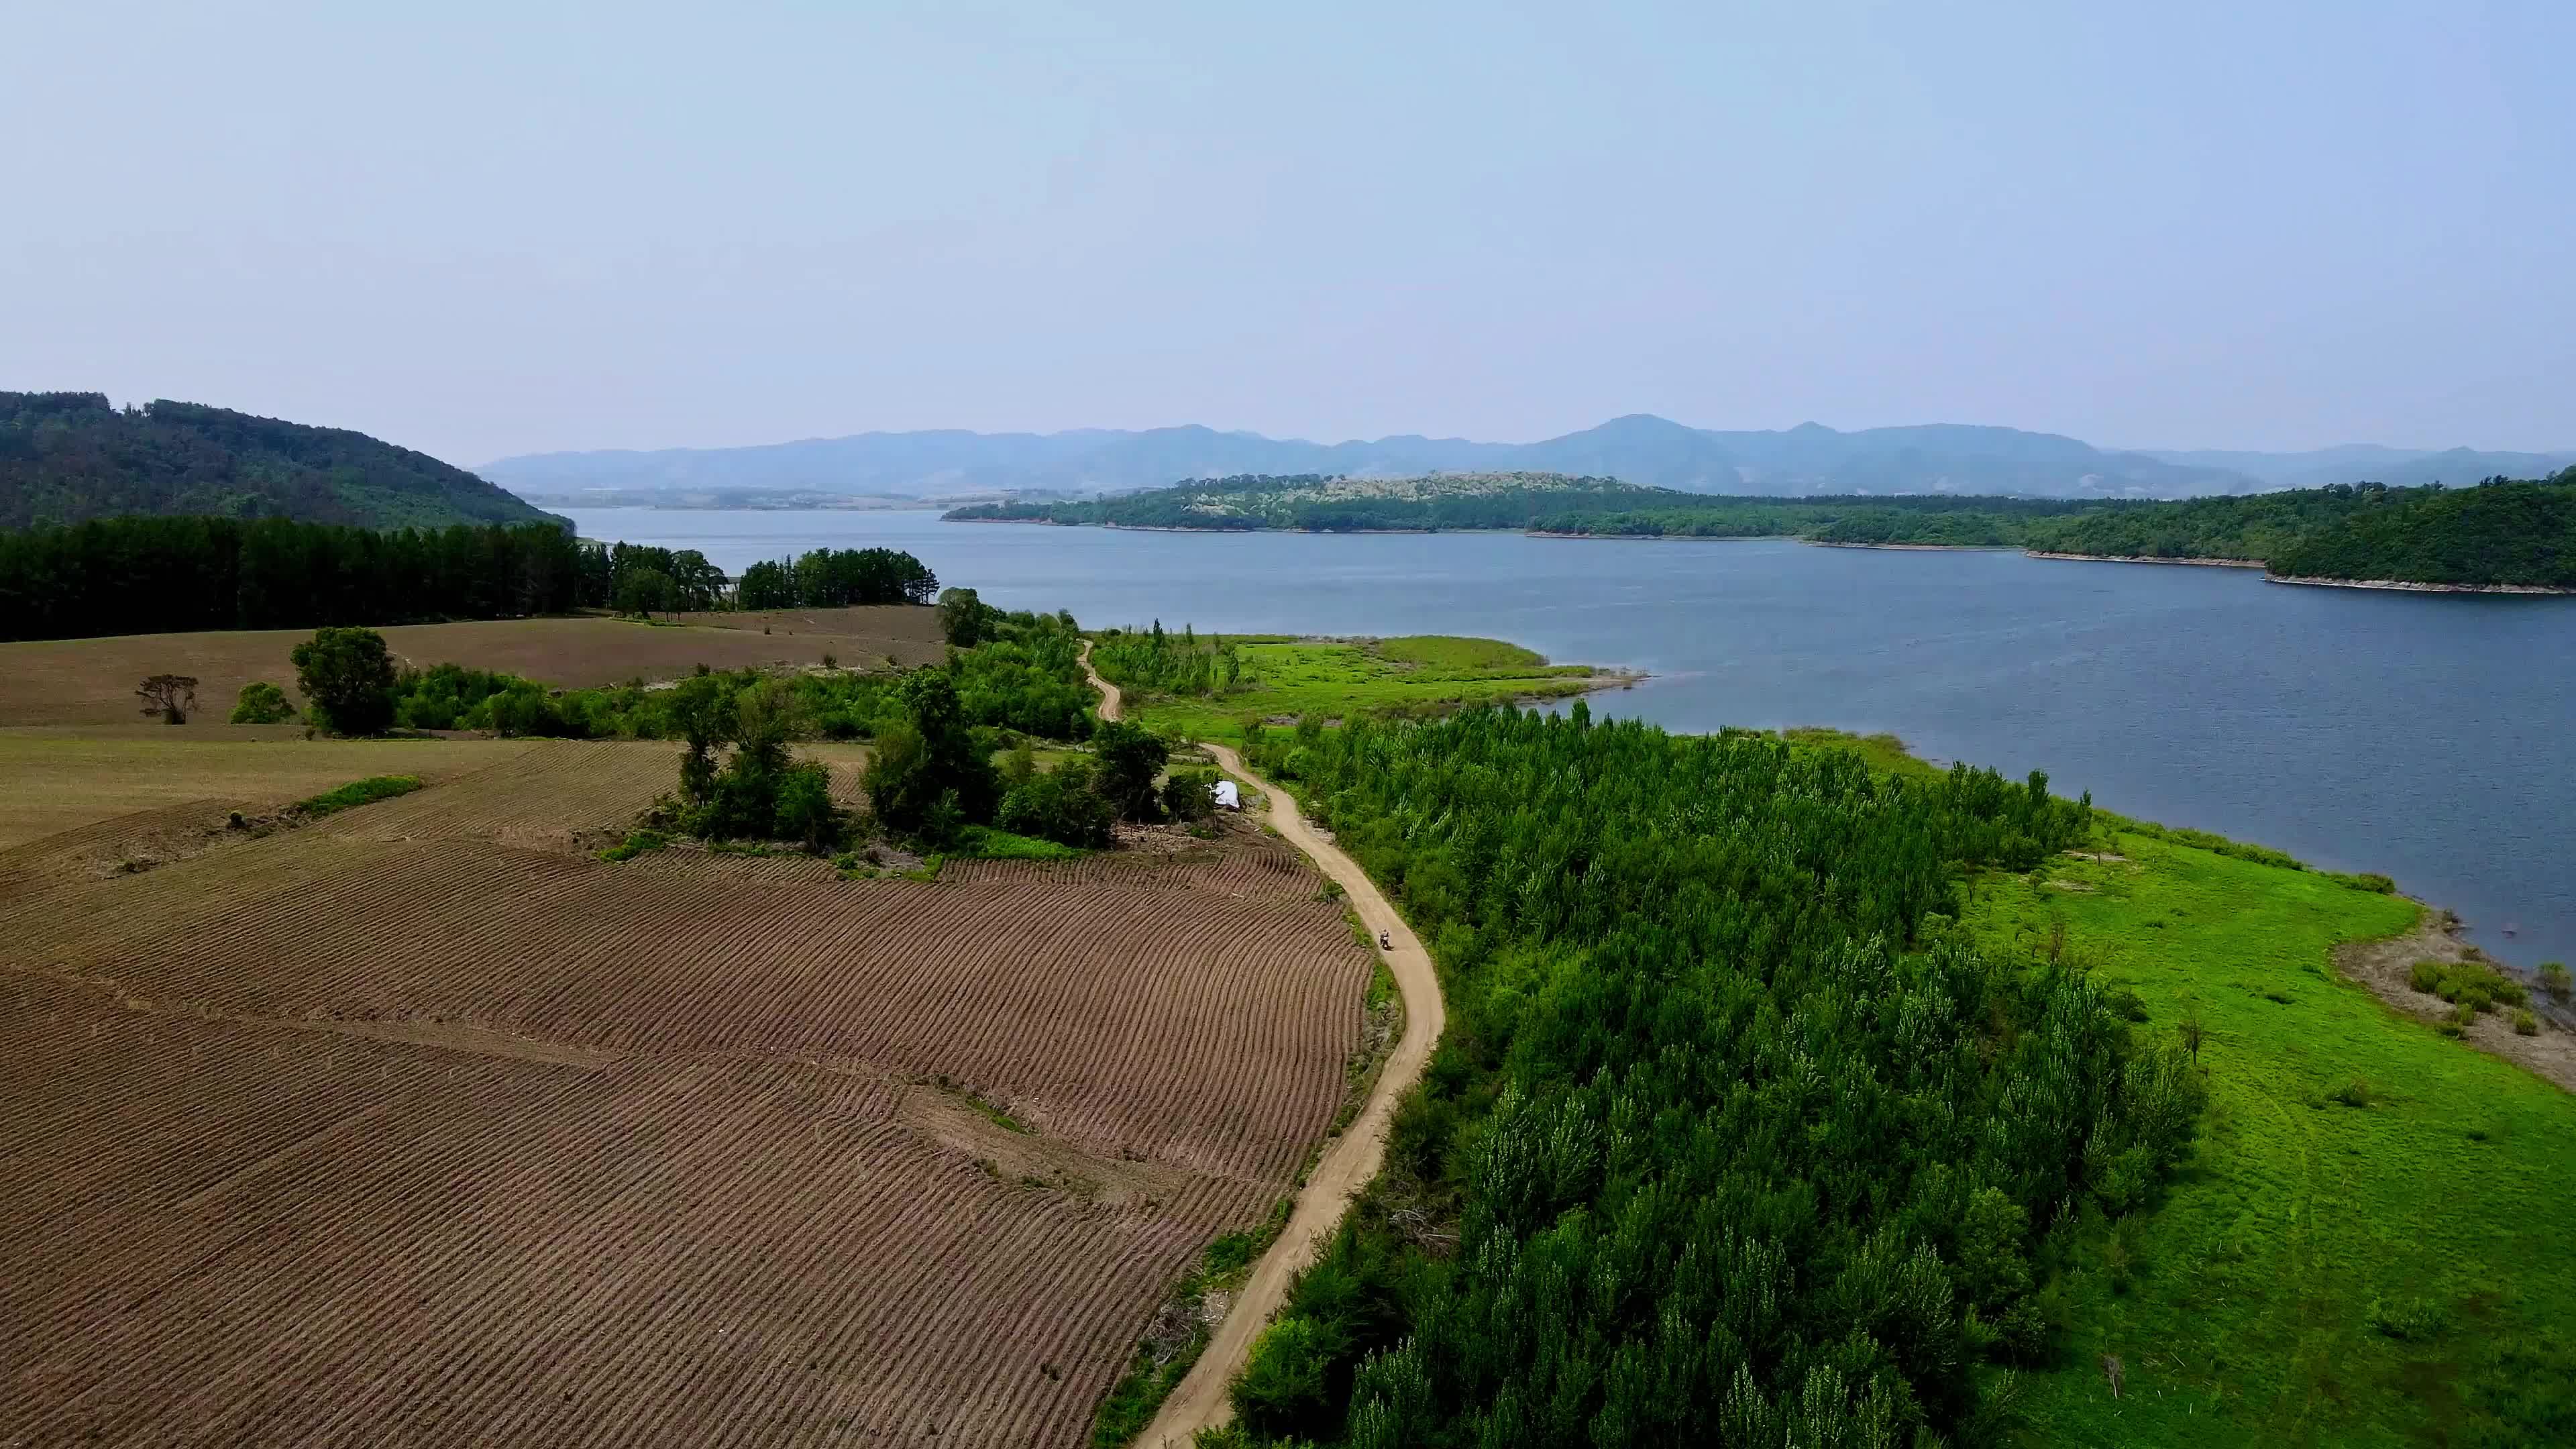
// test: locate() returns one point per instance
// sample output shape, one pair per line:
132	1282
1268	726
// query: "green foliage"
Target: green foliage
355	793
2499	532
2554	980
929	778
1162	1361
261	702
2524	1392
636	843
1317	503
1063	805
644	592
962	618
1737	1136
440	697
761	792
2474	985
67	457
2408	1319
1174	686
984	842
833	578
1129	758
1189	795
2248	1316
155	575
347	676
1172	664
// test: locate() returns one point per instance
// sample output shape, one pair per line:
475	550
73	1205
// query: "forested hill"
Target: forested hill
66	457
2498	534
1320	503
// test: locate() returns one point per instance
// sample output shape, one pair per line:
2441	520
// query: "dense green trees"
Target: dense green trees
347	677
160	575
1732	1138
1178	664
832	578
929	777
70	456
760	791
2499	532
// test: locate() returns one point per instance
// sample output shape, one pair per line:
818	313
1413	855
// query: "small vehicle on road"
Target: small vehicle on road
1383	943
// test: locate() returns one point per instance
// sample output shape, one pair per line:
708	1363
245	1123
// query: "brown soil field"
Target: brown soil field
53	780
418	1125
91	681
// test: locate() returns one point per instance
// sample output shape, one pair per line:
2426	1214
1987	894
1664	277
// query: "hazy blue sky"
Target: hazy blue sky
488	229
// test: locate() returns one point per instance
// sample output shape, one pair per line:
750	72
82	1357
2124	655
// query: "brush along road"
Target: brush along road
1350	1161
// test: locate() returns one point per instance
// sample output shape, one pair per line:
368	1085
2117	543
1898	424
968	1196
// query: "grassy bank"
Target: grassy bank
1283	679
2370	1242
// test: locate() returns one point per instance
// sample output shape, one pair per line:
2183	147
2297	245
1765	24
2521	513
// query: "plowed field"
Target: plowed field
91	681
416	1126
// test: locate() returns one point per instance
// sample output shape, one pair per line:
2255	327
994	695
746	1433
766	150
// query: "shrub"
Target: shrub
1190	794
805	811
2425	976
347	676
2524	1023
262	703
2554	980
356	792
635	844
2408	1320
2355	1093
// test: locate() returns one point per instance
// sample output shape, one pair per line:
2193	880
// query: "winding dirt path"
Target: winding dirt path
1350	1161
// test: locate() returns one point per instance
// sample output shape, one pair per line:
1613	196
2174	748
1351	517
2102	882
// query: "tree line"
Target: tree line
1733	1137
167	575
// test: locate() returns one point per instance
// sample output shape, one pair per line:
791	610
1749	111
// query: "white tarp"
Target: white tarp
1227	797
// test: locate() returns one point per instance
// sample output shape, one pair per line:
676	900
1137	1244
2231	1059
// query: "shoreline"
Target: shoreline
1911	547
2405	587
2206	563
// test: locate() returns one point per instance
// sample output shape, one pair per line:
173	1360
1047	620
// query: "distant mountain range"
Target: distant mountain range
1639	448
66	457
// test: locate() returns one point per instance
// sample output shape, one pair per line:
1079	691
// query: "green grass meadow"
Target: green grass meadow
2397	1272
1334	678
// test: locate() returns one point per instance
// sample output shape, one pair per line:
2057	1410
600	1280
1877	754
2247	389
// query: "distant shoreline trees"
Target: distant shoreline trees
174	575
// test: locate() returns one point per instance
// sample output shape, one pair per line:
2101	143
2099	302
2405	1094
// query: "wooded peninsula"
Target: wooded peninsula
2502	534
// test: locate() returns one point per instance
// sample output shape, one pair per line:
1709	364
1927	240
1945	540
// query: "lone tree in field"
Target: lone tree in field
347	676
170	696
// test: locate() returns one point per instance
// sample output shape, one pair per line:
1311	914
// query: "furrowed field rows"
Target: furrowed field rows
1249	866
91	681
228	1233
1210	1038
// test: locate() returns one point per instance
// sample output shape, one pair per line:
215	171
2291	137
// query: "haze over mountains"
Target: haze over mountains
1639	448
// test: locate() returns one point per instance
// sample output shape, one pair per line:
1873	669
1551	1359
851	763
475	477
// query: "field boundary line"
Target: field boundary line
1350	1161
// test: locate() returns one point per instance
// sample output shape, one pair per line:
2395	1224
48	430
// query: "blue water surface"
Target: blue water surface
2432	737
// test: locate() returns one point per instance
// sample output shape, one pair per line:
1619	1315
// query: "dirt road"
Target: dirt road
1350	1161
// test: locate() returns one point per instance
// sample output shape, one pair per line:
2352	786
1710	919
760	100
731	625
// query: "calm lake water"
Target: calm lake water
2429	736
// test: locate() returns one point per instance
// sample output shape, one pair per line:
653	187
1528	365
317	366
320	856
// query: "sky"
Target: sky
490	229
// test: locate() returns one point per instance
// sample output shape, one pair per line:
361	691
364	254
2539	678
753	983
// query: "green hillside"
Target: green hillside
66	457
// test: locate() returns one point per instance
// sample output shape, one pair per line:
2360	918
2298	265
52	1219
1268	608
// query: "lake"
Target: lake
2427	736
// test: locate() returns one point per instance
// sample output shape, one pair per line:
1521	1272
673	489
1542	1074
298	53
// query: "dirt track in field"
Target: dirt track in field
1351	1161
